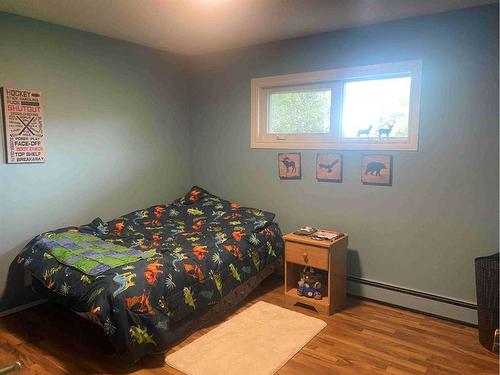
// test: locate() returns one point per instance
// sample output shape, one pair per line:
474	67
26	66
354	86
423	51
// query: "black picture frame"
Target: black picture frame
290	170
372	171
323	178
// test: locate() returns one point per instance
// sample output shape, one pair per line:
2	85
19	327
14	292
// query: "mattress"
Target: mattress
200	248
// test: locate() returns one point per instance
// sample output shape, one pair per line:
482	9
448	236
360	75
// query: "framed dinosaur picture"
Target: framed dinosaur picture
289	166
328	167
376	170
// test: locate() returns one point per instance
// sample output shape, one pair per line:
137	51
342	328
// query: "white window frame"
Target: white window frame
333	79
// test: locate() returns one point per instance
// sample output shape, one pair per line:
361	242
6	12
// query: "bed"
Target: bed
196	253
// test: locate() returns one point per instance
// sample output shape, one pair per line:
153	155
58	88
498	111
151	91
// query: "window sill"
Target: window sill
382	146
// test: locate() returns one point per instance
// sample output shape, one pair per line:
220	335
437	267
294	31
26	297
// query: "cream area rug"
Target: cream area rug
257	341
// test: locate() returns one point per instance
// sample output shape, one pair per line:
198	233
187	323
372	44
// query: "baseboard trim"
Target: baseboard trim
427	303
21	307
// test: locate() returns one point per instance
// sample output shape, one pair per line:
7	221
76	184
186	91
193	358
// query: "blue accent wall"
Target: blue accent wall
117	133
128	127
441	212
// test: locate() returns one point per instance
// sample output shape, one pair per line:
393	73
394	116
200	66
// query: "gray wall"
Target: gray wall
442	210
117	133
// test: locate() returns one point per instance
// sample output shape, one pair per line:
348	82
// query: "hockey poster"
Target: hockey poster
23	125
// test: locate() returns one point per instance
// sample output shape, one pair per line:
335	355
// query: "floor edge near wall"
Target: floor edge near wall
454	310
21	307
447	308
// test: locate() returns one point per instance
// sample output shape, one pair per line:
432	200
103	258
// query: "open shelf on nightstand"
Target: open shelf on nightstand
306	300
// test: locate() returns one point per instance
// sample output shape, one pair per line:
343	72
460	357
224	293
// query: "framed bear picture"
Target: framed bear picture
289	166
328	167
376	170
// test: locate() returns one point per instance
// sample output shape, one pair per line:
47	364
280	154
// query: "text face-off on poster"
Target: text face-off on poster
24	128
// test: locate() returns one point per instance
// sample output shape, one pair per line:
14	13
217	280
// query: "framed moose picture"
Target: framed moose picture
289	166
376	170
329	167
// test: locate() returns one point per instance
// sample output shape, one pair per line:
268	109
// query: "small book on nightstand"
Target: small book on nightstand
326	235
305	231
318	234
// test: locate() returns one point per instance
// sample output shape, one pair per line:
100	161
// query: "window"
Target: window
365	108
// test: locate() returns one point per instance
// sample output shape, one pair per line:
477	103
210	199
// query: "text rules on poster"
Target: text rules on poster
24	126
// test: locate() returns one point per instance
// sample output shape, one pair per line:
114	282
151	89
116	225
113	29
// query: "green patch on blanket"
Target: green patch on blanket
87	253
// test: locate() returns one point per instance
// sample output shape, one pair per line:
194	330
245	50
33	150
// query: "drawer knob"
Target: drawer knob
305	257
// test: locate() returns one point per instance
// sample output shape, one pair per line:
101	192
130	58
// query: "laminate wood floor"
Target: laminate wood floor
364	338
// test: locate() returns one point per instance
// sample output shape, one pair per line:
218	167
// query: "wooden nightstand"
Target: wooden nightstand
329	256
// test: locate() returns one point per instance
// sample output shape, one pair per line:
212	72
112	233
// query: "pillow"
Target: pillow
193	196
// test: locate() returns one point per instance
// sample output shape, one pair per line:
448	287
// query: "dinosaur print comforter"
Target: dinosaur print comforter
199	248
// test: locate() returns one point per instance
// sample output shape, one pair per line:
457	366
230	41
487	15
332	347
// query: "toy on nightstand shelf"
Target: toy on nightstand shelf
309	284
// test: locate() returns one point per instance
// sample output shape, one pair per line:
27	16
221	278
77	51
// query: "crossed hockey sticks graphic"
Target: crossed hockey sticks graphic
27	127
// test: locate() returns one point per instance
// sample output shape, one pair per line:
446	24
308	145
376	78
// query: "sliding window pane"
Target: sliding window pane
299	112
377	108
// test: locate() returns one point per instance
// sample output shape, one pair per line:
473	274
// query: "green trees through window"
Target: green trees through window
300	112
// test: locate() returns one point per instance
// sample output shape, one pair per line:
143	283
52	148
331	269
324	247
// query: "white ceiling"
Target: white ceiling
191	27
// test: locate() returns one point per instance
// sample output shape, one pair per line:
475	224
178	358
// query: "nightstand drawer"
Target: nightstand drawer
313	256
